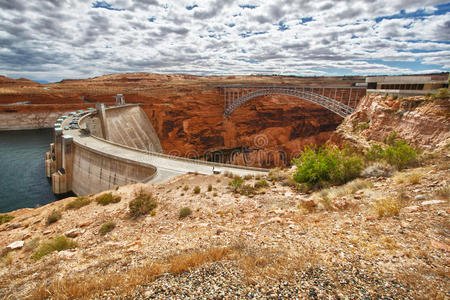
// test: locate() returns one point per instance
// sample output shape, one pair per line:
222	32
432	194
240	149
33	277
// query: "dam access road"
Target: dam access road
99	164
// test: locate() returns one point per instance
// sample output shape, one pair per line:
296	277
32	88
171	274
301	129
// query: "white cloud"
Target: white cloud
45	39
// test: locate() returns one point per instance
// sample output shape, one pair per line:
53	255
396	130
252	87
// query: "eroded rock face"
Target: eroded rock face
421	122
266	131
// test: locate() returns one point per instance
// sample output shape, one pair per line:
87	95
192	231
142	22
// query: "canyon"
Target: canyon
187	113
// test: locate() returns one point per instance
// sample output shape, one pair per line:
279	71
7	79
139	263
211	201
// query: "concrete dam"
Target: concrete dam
99	149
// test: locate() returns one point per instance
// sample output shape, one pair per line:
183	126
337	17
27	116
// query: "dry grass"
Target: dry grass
94	285
387	207
413	177
194	259
344	190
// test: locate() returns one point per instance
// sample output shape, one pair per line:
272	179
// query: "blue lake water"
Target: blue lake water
22	169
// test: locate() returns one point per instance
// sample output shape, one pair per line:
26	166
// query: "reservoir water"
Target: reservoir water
22	169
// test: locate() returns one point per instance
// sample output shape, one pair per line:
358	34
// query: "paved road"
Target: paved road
166	166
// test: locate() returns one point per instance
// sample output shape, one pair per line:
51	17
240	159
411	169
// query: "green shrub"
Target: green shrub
57	244
78	203
184	212
209	187
53	217
400	155
107	227
248	177
5	218
142	204
197	190
374	153
107	198
327	165
236	183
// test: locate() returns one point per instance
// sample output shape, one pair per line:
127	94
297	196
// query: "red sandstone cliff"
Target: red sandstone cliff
421	122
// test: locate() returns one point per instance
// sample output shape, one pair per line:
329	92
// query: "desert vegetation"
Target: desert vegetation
78	202
4	218
107	227
56	244
107	198
54	216
143	203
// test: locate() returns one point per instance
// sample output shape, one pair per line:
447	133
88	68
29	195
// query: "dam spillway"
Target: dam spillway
116	146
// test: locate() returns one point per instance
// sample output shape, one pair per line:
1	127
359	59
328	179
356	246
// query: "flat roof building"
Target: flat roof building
407	85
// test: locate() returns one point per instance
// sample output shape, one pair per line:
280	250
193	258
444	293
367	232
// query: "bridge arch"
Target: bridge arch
306	94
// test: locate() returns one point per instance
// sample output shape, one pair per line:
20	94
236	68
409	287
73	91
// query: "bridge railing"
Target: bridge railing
327	102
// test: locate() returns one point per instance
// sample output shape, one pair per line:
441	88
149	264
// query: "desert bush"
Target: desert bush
108	198
210	187
236	183
247	190
261	184
57	244
398	153
215	194
5	218
186	187
442	94
387	207
327	165
184	212
197	190
107	227
53	217
248	177
142	204
78	203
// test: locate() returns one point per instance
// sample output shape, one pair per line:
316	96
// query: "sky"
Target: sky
49	40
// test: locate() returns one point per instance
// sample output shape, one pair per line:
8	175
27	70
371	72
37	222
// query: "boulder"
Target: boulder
15	245
72	233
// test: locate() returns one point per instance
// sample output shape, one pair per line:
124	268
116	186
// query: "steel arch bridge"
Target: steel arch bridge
340	100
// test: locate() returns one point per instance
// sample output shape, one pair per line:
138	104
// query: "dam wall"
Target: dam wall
94	172
75	163
130	126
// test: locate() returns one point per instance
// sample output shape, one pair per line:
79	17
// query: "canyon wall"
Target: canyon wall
20	117
422	122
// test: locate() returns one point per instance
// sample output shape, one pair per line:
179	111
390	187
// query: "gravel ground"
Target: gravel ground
226	281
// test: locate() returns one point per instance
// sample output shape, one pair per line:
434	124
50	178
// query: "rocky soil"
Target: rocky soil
276	244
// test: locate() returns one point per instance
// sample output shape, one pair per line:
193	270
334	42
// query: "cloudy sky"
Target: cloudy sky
49	40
